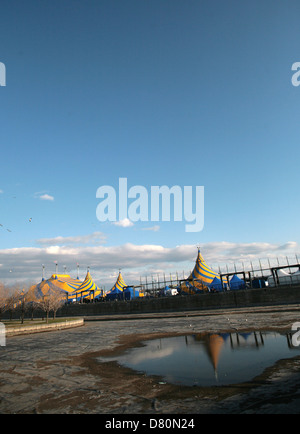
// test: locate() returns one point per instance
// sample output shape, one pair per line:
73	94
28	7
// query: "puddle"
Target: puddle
209	359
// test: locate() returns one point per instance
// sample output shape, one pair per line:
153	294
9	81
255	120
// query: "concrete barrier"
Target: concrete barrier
18	330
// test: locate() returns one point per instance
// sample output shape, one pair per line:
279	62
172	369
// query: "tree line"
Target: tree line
21	301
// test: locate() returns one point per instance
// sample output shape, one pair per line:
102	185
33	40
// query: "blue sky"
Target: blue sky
162	93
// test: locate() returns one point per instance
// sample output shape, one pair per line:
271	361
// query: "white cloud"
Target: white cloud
152	228
96	237
46	197
134	260
125	223
1	191
43	195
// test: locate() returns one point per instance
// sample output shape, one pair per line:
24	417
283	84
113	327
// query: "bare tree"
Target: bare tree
3	299
51	302
59	302
25	302
31	301
14	300
9	298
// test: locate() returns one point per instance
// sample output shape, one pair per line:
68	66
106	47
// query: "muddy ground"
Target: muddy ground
60	372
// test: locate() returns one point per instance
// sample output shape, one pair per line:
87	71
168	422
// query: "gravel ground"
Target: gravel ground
59	372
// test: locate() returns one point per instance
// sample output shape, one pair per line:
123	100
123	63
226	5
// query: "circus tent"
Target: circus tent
201	277
62	282
87	289
117	289
120	284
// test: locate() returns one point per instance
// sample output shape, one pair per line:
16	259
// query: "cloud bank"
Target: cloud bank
96	237
25	264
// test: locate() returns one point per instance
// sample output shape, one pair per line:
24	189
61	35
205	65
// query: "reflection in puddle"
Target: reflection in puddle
210	359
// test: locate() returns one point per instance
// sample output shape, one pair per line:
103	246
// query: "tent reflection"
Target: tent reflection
207	359
213	343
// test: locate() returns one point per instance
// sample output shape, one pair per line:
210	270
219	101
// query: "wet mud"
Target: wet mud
60	372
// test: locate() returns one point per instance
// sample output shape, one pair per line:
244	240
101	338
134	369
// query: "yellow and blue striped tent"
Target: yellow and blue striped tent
117	289
200	278
88	289
120	284
65	282
62	282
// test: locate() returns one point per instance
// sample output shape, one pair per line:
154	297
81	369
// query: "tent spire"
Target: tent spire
202	275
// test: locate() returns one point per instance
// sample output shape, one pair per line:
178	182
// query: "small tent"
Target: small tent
236	283
216	285
116	292
130	293
284	278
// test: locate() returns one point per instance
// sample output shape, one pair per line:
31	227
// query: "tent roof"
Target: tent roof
282	273
88	284
216	280
86	287
119	285
67	283
202	271
62	282
236	278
